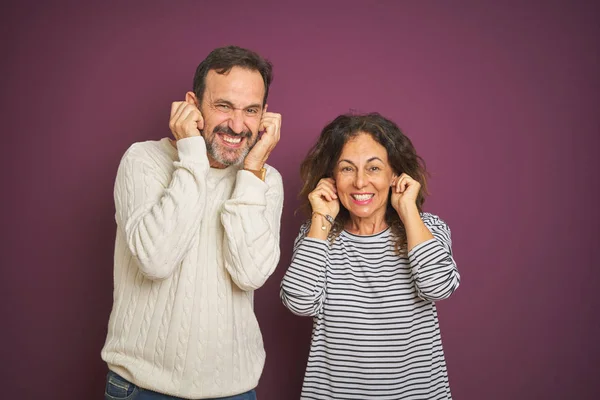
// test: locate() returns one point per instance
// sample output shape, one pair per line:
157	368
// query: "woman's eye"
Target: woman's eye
375	169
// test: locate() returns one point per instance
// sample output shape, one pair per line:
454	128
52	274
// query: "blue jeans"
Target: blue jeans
118	388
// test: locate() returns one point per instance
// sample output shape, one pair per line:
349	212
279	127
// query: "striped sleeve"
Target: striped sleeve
433	267
303	286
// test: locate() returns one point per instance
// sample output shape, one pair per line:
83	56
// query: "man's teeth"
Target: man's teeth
232	140
362	197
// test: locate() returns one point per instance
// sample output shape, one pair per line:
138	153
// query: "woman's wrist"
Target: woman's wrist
408	213
320	225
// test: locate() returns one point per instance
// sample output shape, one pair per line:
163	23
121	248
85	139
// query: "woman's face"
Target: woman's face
363	177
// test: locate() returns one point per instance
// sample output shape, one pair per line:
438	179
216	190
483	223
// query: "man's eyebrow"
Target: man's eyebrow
223	101
230	104
257	105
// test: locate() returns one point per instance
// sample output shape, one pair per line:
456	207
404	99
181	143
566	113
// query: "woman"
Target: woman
369	266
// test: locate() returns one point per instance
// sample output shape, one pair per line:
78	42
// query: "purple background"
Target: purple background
500	98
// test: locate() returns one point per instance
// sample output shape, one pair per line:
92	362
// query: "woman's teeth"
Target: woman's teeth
362	197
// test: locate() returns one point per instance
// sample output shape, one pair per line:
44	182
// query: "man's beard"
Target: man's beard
227	156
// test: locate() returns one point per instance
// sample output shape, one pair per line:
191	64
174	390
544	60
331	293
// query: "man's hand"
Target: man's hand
186	120
271	127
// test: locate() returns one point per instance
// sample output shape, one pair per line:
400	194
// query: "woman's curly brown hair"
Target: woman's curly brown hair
324	155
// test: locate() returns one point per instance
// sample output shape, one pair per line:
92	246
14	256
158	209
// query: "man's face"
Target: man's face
232	110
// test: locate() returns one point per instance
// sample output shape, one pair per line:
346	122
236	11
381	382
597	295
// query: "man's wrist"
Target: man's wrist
253	164
260	173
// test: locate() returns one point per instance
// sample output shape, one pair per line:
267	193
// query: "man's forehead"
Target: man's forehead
237	84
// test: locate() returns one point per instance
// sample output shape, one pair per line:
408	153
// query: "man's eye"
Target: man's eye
252	111
223	107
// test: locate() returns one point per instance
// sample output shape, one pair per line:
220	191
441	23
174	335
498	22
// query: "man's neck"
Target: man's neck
214	163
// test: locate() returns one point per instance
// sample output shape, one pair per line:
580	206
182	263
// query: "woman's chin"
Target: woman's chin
366	211
361	213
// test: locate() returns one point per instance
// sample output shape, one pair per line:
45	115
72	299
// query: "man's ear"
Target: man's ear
190	97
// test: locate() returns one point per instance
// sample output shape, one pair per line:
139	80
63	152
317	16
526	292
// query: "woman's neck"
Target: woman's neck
366	226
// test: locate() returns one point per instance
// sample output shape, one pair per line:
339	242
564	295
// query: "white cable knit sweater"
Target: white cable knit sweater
192	244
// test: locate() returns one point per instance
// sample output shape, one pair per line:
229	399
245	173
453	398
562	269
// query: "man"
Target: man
197	232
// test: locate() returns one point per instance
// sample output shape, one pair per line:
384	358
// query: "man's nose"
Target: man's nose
236	121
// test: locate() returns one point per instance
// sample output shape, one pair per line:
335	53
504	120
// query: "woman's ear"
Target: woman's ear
393	181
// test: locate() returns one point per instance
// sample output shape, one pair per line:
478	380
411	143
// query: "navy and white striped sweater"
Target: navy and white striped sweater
376	333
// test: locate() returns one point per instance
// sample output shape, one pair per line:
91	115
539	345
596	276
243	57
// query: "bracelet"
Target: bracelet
259	173
327	217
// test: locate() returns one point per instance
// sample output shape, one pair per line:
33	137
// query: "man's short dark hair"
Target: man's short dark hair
224	58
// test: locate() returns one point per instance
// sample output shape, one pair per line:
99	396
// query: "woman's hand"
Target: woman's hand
405	190
323	199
